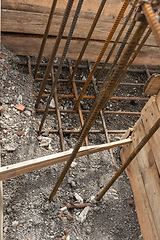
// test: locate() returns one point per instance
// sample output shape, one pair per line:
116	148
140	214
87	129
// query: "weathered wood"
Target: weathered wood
149	173
148	119
35	23
127	133
158	100
30	45
152	85
142	205
35	164
1	203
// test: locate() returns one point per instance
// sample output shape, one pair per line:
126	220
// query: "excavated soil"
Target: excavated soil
28	214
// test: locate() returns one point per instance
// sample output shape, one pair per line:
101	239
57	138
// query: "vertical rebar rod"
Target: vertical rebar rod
76	97
152	19
116	41
87	40
113	29
129	31
102	117
104	96
54	50
62	60
45	37
58	114
130	158
147	71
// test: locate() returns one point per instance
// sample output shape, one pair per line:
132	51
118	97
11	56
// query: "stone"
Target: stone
46	133
10	147
52	103
15	224
79	198
27	113
19	99
45	142
83	215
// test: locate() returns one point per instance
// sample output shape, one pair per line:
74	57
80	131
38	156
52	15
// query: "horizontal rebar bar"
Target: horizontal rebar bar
84	66
99	82
79	130
88	111
93	97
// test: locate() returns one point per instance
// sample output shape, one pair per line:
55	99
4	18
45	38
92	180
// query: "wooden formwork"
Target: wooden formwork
24	22
144	171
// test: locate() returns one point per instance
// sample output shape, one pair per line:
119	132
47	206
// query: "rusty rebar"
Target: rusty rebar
69	111
104	96
102	117
54	50
113	29
45	37
87	40
76	97
58	114
62	59
152	19
130	158
93	131
116	41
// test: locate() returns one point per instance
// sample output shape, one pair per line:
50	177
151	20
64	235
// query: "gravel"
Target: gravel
28	214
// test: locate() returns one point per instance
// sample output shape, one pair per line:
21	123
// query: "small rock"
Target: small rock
70	217
73	164
7	116
15	224
79	198
46	133
39	138
83	78
68	237
52	103
10	147
19	99
83	215
27	113
45	142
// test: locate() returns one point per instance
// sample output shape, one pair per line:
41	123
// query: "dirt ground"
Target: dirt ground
28	214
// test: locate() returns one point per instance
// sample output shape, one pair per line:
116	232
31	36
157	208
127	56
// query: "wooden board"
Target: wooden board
30	45
15	170
149	173
152	85
143	209
35	23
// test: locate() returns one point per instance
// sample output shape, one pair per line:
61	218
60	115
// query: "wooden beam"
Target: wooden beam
30	45
15	170
1	203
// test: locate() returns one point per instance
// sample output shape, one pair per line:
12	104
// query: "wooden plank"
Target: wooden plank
35	23
143	209
15	170
30	45
1	203
158	100
147	105
90	7
148	119
149	174
152	85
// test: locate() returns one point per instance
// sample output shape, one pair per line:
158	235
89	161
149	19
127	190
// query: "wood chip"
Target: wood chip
20	107
4	67
64	237
61	213
70	217
67	230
